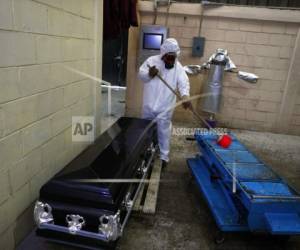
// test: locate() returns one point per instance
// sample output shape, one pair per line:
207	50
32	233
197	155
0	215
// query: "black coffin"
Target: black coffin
89	201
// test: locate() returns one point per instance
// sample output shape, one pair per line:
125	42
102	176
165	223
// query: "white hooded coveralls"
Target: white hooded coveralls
158	101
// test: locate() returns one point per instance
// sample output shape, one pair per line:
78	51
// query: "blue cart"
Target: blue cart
242	192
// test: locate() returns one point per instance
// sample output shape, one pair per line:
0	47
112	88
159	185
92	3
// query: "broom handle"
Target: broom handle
199	117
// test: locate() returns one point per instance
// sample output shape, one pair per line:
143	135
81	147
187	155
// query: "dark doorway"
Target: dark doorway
114	65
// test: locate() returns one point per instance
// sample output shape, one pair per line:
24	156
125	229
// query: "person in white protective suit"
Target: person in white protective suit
158	101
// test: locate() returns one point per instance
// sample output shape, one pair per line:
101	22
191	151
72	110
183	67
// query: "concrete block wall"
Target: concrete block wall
40	41
263	47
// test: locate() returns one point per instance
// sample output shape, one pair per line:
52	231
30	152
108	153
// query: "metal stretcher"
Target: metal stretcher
242	192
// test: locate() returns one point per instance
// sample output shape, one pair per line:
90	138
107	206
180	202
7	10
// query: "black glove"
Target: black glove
153	71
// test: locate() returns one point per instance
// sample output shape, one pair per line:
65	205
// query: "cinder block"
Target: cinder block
49	49
228	24
256	116
224	122
236	36
188	32
18	175
292	28
260	105
272	96
56	22
297	109
281	40
293	41
88	50
185	43
210	23
51	149
297	101
2	125
87	8
147	19
234	92
213	34
4	220
161	19
86	88
6	16
78	147
274	27
233	48
7	239
239	113
30	16
243	60
281	64
258	38
72	49
260	61
19	201
74	71
9	84
271	85
192	21
61	121
87	28
24	225
234	103
178	21
67	24
11	149
83	107
226	112
253	94
34	79
72	93
262	50
239	123
75	7
33	162
63	158
296	120
73	25
12	48
50	102
250	25
57	75
19	113
270	74
271	118
252	125
36	135
175	32
68	139
286	52
37	182
4	187
53	3
294	130
231	80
